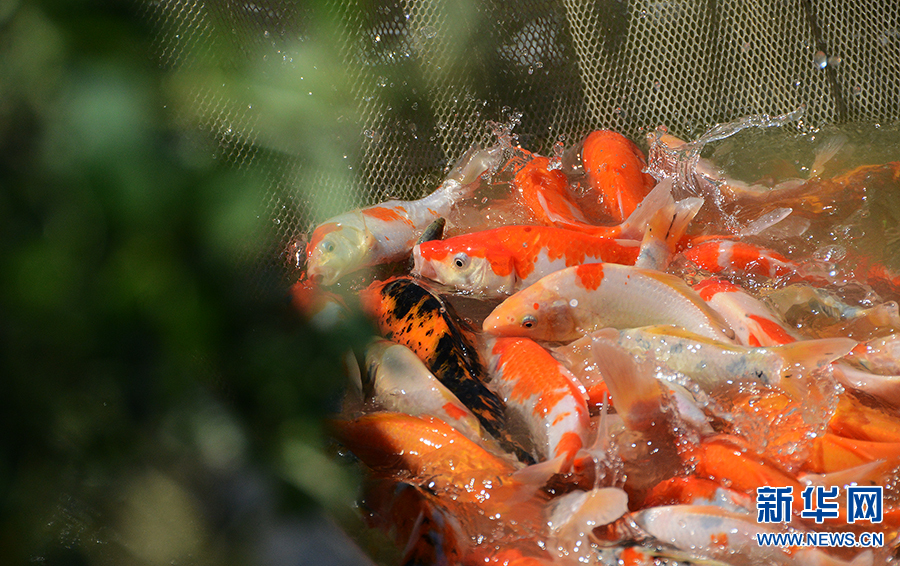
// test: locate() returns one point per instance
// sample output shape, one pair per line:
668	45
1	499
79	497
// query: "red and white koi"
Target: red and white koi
754	323
499	262
551	400
387	232
565	305
718	256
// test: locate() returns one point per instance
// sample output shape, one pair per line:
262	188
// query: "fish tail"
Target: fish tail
665	231
635	225
634	390
474	163
812	354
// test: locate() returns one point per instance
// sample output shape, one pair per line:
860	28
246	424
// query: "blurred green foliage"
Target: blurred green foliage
139	372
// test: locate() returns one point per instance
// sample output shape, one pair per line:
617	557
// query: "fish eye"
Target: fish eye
528	321
461	260
328	246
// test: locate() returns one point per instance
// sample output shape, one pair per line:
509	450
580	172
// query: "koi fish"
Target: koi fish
544	191
884	387
548	396
711	363
322	309
726	255
879	355
406	311
854	419
499	262
400	382
693	490
754	323
712	531
425	451
575	301
833	453
818	311
386	232
614	167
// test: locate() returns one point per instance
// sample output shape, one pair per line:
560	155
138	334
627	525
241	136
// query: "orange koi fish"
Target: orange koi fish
754	324
693	490
549	397
545	192
406	311
726	255
833	453
575	301
614	167
386	232
499	262
425	451
854	419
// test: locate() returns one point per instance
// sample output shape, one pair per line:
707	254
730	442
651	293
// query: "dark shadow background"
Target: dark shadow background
160	403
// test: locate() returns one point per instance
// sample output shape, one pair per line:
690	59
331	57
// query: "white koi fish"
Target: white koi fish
400	382
711	363
565	305
387	232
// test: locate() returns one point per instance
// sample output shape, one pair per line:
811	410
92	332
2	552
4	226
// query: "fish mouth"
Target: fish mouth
322	275
421	267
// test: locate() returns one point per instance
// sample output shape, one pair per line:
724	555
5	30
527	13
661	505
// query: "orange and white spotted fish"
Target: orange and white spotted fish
386	232
499	262
550	399
754	324
565	305
717	256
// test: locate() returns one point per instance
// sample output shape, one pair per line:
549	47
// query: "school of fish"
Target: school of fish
610	378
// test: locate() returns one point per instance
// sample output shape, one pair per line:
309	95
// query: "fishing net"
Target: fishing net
343	103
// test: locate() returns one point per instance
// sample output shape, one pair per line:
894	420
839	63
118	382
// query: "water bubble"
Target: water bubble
820	59
857	90
834	61
369	134
429	32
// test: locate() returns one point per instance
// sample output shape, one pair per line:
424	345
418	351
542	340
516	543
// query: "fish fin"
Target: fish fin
825	153
575	514
812	354
635	391
765	222
474	163
434	231
635	225
664	232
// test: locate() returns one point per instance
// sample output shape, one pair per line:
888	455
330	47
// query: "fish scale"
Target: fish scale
410	314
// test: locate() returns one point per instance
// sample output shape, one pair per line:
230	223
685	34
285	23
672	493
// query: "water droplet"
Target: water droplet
573	303
834	61
857	90
429	32
820	59
369	134
657	85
